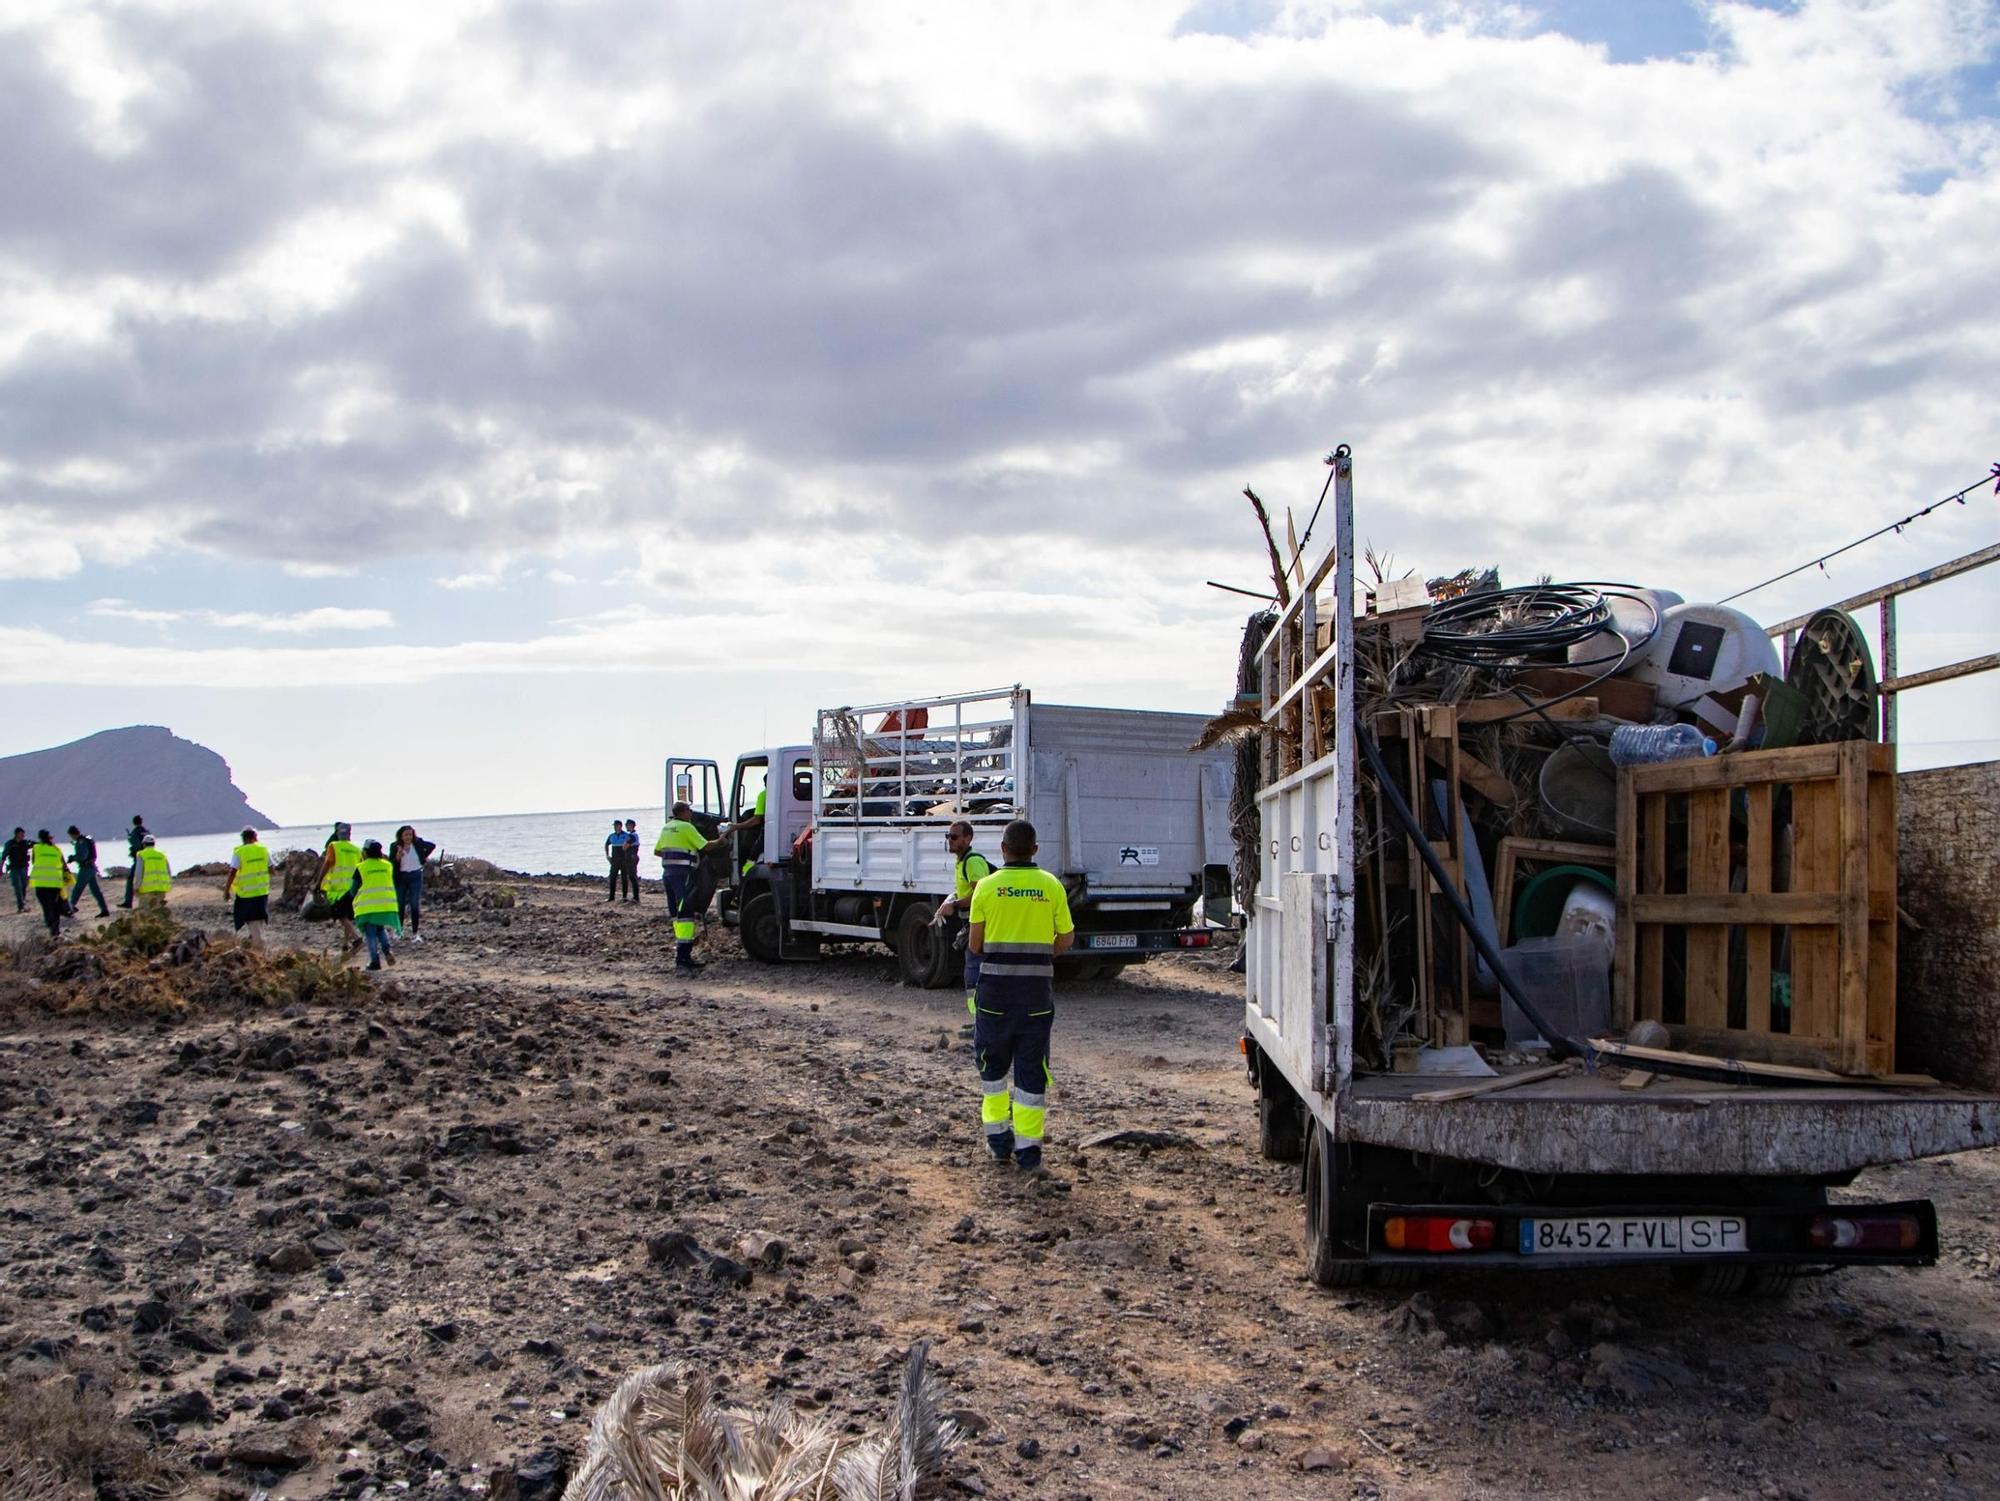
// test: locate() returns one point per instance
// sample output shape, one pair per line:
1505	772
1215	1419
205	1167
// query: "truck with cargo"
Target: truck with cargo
1719	1170
851	847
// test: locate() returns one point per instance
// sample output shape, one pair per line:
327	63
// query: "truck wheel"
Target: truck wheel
1281	1134
762	938
1328	1262
1771	1282
924	955
1718	1279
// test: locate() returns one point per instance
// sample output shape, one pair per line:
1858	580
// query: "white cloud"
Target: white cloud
297	623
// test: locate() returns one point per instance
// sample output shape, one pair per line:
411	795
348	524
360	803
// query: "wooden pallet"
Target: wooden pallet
1757	905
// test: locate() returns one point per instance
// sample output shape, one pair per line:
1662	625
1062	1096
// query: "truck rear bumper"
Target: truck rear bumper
1536	1237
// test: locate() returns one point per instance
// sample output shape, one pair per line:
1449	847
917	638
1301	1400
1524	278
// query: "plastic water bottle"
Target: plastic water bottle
1639	744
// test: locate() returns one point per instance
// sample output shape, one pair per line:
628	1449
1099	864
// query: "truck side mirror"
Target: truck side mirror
1218	895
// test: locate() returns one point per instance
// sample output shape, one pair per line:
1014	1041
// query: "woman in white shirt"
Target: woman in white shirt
408	856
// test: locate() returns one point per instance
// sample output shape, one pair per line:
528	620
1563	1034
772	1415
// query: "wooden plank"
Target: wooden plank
1562	850
1443	722
1815	871
1739	769
1757	938
1486	710
1707	941
1420	879
1624	958
1651	1002
1851	795
1485	780
1639	1078
1882	934
1798	908
1622	698
1752	1070
1492	1086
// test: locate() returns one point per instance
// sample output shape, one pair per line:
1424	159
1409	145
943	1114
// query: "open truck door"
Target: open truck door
697	782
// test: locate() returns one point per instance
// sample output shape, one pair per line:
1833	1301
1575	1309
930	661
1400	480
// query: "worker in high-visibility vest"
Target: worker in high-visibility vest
48	873
680	848
1020	922
336	884
155	879
972	868
248	887
376	911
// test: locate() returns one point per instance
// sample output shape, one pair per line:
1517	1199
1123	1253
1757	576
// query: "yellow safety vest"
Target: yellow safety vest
973	868
680	843
45	866
378	888
346	855
155	879
253	871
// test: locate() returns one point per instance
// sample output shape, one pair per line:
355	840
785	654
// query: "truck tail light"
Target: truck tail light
1865	1232
1193	940
1436	1232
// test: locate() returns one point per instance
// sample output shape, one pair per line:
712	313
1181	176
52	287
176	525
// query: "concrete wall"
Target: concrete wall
1948	975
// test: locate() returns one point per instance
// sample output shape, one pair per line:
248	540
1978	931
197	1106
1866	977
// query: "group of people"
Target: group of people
62	879
372	890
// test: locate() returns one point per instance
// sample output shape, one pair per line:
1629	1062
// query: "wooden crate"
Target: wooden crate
1757	904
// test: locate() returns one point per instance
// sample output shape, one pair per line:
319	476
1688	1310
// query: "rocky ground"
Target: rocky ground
406	1242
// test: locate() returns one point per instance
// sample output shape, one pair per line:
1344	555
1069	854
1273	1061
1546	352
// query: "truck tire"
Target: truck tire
1329	1262
924	955
1281	1119
763	940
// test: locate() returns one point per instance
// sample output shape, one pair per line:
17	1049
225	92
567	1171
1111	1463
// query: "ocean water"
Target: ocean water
537	844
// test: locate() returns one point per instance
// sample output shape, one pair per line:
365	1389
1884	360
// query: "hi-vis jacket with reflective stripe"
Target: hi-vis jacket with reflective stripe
253	871
1020	909
680	843
45	866
376	890
155	879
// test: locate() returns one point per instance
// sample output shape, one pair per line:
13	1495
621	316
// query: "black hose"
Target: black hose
1559	1045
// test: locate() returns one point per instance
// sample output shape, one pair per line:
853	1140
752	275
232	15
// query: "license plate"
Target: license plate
1636	1235
1115	941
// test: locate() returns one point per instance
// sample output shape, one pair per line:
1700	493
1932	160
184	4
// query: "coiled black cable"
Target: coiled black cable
1534	626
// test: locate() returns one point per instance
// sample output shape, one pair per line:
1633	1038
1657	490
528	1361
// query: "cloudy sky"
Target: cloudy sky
452	408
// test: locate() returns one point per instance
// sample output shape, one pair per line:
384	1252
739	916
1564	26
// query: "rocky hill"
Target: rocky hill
100	781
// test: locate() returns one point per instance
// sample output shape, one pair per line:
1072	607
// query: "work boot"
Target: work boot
374	964
688	966
388	955
1029	1161
1000	1150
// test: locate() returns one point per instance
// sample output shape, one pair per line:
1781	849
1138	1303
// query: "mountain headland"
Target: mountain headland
100	781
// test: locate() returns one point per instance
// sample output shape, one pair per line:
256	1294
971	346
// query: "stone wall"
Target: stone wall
1948	974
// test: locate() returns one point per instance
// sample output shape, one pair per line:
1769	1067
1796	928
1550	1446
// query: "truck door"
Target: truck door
747	845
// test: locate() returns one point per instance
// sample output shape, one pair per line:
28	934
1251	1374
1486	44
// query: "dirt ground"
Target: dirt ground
406	1247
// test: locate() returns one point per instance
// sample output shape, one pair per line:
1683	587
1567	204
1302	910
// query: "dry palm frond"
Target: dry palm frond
1228	727
1278	579
665	1436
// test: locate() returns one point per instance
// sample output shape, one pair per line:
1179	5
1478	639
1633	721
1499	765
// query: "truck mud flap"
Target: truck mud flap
1534	1237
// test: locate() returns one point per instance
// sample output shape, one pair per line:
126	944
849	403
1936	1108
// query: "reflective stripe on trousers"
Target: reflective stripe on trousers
1013	1040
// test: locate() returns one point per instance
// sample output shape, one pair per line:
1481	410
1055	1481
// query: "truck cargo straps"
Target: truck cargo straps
1534	1236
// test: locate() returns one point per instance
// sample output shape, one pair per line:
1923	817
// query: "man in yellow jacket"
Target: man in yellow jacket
48	873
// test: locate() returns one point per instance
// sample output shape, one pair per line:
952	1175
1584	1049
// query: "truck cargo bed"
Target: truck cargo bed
1587	1123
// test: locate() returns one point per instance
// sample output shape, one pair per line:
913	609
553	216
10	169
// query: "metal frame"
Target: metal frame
935	764
1885	597
1301	938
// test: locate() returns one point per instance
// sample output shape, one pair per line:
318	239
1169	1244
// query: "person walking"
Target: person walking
17	857
409	856
155	877
972	868
47	870
134	837
83	850
614	855
680	848
336	884
632	859
373	902
247	888
1020	922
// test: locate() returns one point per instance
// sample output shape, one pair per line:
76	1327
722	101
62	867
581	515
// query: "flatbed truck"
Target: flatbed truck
1725	1183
